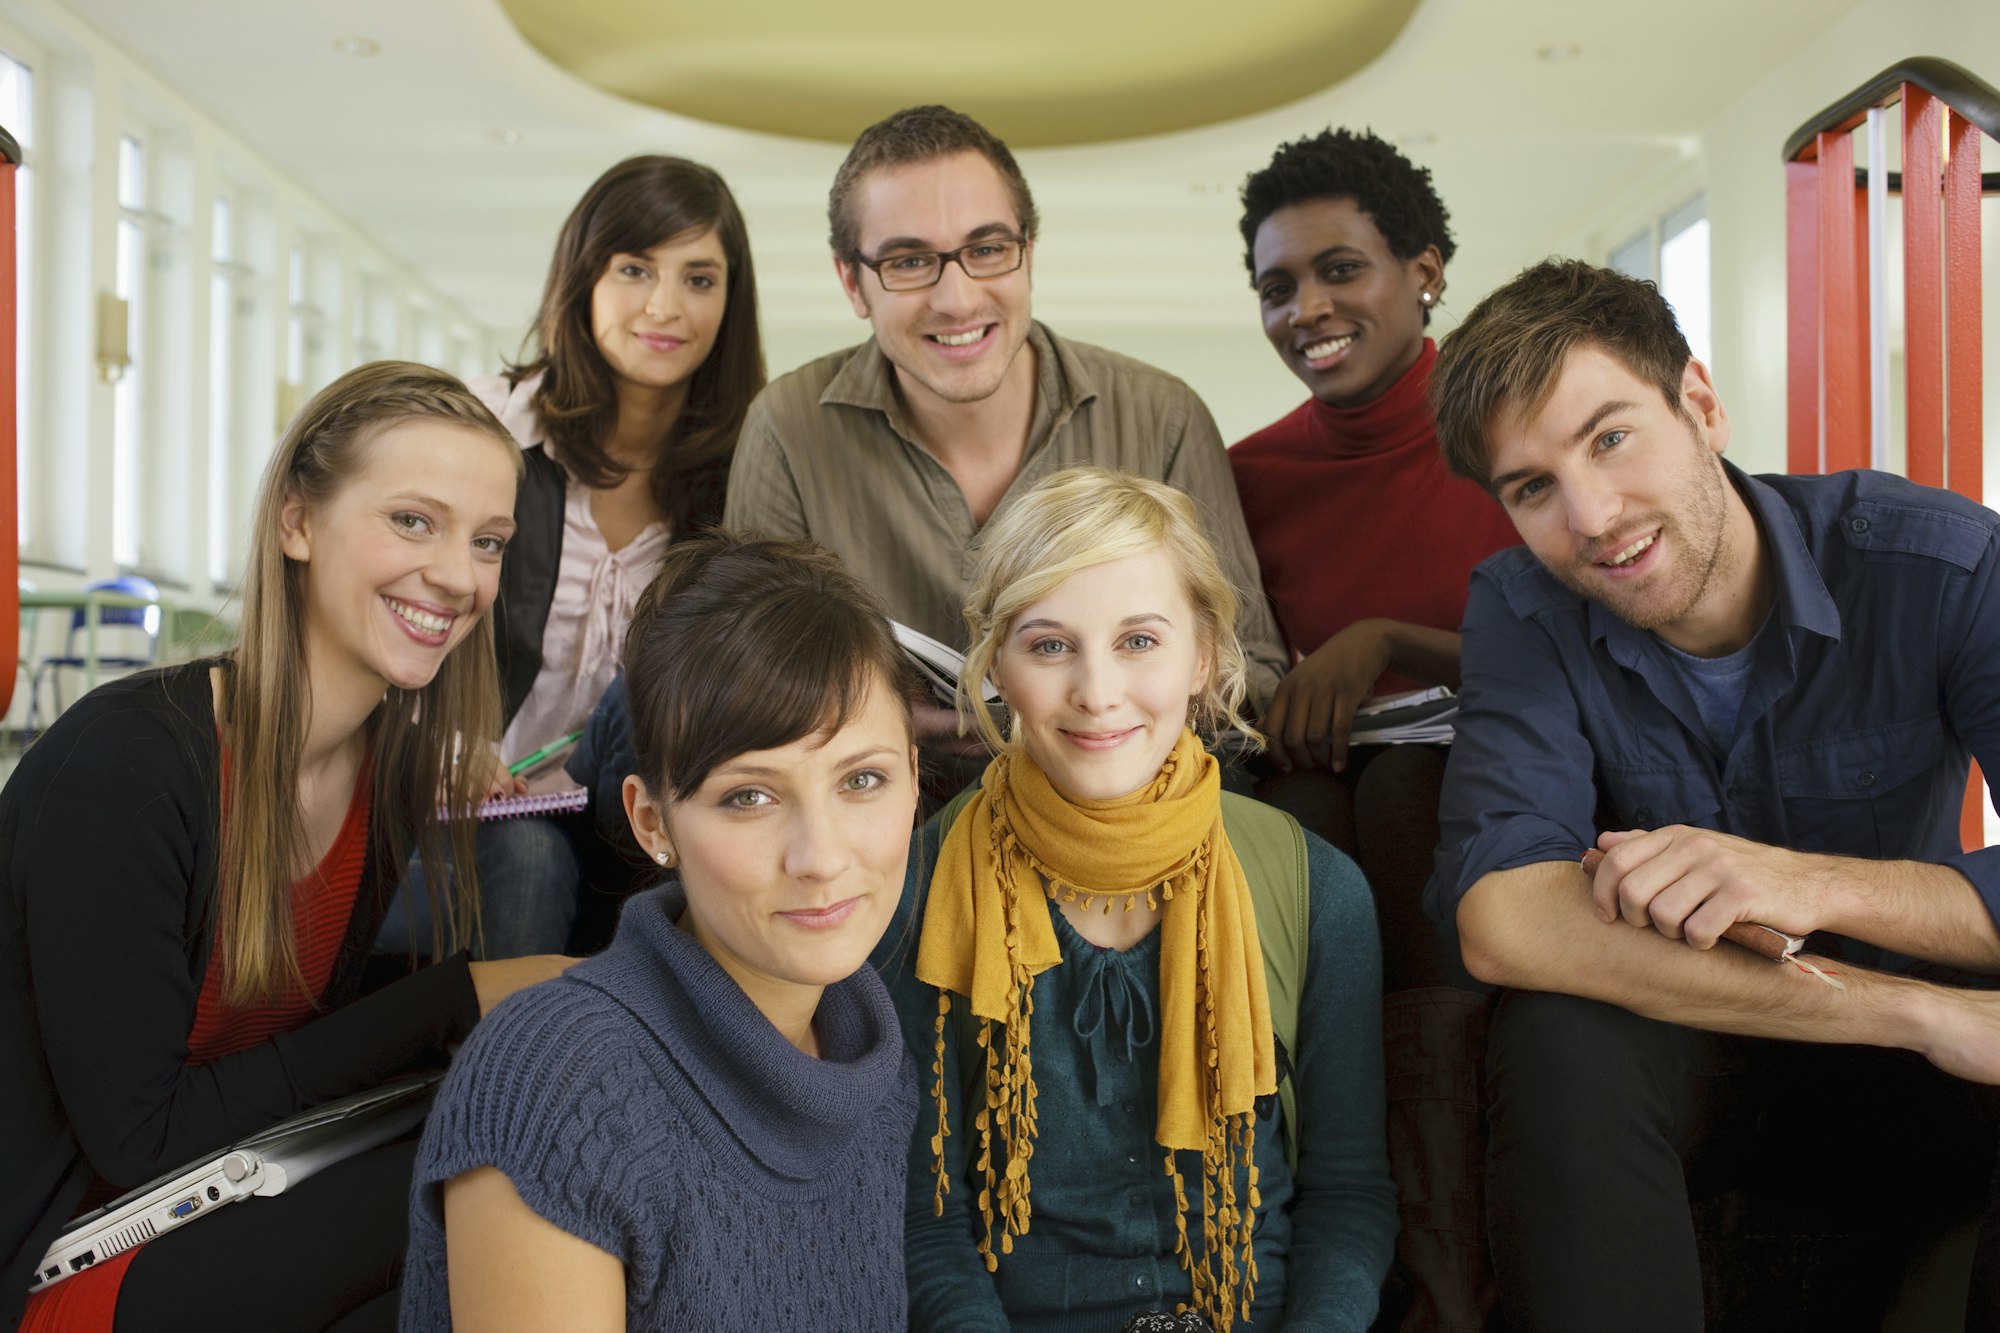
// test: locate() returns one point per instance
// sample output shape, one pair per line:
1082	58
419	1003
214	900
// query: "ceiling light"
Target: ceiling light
1557	52
506	138
358	47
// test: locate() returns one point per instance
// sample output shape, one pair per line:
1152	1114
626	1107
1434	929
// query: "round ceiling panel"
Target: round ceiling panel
1036	72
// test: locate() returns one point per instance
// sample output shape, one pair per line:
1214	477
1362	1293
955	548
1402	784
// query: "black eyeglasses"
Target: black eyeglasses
907	272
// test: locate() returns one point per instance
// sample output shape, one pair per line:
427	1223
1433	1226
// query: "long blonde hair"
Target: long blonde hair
413	734
1084	516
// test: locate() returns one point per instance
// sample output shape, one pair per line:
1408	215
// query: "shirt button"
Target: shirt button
1132	1158
1867	779
1643	815
1858	524
1129	1108
1142	1282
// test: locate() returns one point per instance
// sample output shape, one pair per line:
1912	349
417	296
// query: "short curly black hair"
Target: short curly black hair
1340	164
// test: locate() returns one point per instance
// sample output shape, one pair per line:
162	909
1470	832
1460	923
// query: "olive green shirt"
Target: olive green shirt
828	453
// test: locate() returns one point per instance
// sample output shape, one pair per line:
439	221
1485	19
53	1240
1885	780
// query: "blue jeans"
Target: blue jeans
529	881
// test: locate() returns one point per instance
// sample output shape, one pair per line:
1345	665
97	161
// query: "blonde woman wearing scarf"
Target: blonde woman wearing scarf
1086	996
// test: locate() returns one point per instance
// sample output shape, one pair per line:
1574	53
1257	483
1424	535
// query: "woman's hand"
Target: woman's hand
1313	710
494	981
503	783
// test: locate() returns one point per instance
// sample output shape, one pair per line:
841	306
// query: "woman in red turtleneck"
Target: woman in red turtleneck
1366	543
1365	540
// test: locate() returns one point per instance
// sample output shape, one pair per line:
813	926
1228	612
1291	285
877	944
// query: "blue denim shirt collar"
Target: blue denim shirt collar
1803	600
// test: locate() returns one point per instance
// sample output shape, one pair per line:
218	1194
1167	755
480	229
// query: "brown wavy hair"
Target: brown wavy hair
1511	350
412	734
638	204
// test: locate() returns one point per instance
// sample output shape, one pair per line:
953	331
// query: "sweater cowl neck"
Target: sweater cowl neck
792	1113
1400	418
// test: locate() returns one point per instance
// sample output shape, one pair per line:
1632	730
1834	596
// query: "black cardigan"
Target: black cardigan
108	844
528	578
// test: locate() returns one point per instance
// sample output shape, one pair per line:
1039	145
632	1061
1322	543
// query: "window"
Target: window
427	339
295	323
376	334
1673	252
221	383
17	114
129	284
1684	273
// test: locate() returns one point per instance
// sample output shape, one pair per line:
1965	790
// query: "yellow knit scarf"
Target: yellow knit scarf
985	937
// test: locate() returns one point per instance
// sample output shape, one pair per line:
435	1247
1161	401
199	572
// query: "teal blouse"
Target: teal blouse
1100	1246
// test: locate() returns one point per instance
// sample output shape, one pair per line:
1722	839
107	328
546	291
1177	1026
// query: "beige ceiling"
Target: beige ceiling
1039	73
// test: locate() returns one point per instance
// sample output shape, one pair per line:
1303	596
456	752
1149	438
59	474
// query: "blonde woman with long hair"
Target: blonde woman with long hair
1138	1098
198	856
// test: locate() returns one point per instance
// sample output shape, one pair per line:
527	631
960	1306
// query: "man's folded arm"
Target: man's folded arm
1534	928
1933	912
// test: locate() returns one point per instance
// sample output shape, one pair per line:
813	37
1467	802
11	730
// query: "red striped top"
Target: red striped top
322	904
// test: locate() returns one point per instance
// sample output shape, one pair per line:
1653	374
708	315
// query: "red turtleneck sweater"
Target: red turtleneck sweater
1354	515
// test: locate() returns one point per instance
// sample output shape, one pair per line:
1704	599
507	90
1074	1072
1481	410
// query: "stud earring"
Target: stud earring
1426	298
664	858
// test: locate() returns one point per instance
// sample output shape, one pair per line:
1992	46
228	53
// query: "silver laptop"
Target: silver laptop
264	1164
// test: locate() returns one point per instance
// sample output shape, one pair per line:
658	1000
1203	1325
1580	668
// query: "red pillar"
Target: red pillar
1802	317
1843	286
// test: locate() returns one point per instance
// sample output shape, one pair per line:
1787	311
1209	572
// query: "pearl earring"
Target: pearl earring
1426	298
664	858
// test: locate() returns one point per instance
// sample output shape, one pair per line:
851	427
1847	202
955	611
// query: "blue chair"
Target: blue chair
145	618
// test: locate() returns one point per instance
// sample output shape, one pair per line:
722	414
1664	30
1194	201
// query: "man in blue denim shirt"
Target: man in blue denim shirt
1757	697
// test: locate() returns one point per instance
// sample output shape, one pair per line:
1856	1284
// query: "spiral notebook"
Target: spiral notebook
553	792
534	803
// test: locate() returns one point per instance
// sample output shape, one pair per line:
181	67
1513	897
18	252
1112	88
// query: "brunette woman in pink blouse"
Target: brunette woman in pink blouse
645	355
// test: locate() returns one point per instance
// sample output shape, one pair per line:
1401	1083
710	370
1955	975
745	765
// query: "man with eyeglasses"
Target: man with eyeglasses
895	453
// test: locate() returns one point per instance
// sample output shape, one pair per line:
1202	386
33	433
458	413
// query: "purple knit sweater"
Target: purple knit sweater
642	1103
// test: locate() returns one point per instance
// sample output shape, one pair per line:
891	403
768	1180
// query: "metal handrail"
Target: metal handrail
1957	87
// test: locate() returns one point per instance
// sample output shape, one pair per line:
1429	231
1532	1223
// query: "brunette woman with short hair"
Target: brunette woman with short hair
708	1124
647	355
199	855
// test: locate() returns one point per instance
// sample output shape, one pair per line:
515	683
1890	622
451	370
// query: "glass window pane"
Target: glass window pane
1687	215
131	173
125	399
1684	282
1635	257
221	417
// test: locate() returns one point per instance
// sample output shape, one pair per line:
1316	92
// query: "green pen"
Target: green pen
520	766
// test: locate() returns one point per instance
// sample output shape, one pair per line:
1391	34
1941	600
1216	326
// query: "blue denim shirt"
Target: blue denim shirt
1855	728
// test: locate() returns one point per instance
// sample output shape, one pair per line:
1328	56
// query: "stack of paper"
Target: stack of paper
939	664
1419	717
